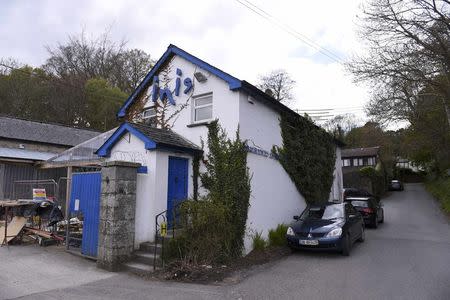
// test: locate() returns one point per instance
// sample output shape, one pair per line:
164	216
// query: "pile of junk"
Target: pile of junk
39	219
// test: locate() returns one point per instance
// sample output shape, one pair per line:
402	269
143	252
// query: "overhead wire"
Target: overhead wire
303	38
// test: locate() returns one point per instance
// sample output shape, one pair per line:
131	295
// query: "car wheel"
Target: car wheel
346	246
382	217
363	235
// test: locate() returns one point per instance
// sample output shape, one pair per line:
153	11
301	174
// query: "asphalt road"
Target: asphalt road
407	257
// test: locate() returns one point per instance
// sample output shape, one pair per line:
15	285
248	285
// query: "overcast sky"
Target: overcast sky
222	32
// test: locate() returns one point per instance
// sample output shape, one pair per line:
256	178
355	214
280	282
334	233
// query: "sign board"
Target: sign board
39	195
76	206
163	229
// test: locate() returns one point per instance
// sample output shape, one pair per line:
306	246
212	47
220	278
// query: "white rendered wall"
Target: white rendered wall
151	189
337	187
131	149
225	101
274	198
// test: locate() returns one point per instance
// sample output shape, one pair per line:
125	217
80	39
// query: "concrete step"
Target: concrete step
138	268
146	257
150	247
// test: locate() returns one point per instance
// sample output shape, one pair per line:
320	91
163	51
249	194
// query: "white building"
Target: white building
201	93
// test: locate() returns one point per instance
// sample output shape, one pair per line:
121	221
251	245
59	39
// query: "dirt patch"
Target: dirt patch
220	274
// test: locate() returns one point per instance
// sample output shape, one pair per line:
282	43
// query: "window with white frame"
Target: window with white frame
355	162
346	162
370	161
360	162
149	112
202	108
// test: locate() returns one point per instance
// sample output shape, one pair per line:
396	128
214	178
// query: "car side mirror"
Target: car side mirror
296	218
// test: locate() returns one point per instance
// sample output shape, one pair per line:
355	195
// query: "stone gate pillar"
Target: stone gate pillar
117	214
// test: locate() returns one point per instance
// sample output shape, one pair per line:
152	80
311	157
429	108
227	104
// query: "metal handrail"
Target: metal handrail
163	215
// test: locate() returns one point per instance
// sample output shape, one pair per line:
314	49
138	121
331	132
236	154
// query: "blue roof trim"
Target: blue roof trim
105	149
233	82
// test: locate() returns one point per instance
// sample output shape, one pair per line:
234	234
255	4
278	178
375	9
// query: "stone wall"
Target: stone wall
117	214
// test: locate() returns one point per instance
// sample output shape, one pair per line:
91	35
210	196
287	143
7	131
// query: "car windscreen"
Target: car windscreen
360	203
325	212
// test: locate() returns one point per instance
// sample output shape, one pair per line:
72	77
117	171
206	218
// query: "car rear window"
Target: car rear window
360	203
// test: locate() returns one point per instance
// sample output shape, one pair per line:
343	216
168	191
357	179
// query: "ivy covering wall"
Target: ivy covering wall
213	227
308	155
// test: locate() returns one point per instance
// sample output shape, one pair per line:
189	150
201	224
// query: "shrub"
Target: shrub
228	181
204	238
440	188
277	236
377	179
214	226
259	243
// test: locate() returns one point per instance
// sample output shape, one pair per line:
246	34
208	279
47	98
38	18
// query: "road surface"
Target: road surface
407	257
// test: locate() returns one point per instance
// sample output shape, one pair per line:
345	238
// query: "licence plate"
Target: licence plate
309	242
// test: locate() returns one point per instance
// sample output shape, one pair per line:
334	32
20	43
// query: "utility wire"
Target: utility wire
259	11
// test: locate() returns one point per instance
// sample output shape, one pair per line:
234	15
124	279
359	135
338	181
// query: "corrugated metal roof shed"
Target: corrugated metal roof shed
24	154
25	130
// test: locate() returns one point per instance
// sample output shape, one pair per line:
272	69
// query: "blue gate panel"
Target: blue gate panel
87	188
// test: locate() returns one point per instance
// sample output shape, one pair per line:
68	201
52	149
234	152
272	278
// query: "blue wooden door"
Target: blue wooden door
177	186
86	190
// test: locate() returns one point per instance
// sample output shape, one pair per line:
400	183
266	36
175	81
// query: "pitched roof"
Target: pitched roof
19	129
172	50
233	83
360	152
152	137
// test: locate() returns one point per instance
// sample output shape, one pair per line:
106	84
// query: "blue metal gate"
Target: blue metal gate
177	186
85	198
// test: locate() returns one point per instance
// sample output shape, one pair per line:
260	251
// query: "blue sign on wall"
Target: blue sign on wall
165	94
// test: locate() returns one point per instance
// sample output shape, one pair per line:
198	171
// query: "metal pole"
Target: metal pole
5	239
68	190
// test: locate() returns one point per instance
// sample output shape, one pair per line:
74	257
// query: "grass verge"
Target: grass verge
440	188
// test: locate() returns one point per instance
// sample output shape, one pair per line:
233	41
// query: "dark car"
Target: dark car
354	192
396	185
326	227
371	210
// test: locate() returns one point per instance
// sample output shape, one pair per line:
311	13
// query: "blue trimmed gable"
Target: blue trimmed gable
105	149
172	50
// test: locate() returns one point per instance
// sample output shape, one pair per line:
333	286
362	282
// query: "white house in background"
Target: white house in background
201	93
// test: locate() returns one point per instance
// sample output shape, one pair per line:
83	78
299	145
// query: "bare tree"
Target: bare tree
408	52
340	125
278	84
85	58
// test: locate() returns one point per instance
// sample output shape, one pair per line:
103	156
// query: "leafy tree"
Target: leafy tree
278	84
61	90
24	92
103	101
